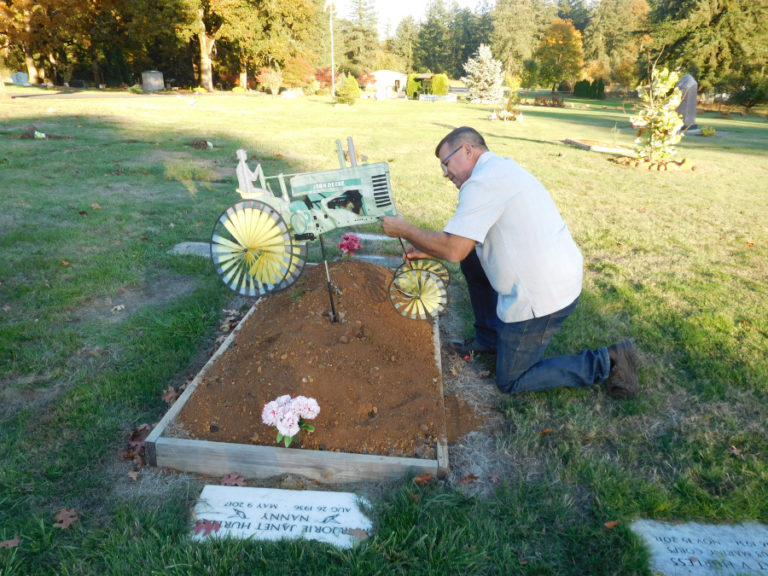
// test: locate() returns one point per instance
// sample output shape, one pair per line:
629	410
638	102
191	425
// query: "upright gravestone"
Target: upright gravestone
20	79
687	109
152	81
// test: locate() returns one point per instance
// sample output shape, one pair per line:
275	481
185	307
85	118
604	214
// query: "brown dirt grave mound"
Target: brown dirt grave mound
374	372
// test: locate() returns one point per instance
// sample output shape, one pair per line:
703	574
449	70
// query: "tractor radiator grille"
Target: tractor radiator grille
381	195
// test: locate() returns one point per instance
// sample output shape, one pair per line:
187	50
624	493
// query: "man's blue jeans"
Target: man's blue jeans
521	345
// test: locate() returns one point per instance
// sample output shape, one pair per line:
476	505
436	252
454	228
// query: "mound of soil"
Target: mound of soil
374	373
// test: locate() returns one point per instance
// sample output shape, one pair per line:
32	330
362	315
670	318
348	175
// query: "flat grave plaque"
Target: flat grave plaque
274	514
704	549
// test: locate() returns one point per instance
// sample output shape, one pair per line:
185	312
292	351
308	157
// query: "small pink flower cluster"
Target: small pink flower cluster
350	243
288	415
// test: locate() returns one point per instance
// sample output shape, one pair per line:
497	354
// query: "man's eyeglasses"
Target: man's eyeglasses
444	161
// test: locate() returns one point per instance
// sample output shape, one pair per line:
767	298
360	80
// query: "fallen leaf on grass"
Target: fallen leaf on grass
10	543
83	213
733	450
357	533
206	527
64	262
170	395
135	450
422	479
64	518
95	206
469	479
612	524
233	479
118	308
134	475
546	431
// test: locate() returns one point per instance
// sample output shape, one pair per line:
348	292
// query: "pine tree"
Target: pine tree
484	77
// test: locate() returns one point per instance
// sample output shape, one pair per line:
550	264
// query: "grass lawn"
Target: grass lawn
677	260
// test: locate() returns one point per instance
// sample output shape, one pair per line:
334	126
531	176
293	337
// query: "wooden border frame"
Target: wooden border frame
251	461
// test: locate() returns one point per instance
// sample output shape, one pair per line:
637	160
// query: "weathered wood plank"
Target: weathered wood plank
252	461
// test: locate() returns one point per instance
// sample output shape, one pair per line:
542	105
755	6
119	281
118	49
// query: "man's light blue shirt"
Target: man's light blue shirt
523	243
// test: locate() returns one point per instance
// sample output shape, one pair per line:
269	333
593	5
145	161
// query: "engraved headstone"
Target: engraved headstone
273	514
152	81
20	78
694	549
687	108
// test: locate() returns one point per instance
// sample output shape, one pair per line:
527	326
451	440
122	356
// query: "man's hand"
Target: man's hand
428	243
394	226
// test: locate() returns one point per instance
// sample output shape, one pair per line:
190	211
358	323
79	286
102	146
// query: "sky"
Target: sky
392	11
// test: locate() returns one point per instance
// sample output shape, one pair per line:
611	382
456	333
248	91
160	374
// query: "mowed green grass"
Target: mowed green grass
676	260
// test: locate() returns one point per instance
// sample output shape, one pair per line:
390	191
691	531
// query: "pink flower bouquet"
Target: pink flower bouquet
350	243
289	416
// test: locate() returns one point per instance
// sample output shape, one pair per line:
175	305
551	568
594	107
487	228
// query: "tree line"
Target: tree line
227	43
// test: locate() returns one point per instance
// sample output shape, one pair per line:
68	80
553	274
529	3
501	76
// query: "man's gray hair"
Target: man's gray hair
461	135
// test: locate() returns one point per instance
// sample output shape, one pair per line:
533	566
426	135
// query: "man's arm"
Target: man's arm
437	244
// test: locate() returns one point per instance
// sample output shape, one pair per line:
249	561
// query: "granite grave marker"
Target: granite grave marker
273	514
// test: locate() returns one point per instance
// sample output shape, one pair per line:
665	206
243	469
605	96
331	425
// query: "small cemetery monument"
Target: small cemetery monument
687	109
20	79
152	81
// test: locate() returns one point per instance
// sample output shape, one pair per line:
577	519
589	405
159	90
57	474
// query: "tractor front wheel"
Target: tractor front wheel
253	251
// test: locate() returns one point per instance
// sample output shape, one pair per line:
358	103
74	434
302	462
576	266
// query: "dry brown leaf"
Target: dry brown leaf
10	543
233	479
357	533
64	262
468	479
65	517
170	395
733	450
546	431
95	206
422	479
612	524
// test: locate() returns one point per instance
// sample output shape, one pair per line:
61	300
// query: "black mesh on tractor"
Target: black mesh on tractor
381	195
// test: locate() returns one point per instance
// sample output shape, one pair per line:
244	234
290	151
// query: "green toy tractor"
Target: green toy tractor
259	244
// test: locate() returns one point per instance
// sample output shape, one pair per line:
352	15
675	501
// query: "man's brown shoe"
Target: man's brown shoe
622	380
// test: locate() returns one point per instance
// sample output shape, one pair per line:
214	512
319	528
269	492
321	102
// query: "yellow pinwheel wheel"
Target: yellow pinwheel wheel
253	251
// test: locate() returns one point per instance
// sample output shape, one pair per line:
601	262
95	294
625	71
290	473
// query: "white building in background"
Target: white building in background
389	84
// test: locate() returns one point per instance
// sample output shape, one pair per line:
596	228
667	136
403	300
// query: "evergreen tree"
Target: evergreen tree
616	38
404	41
711	38
431	52
466	31
518	26
484	76
360	39
577	11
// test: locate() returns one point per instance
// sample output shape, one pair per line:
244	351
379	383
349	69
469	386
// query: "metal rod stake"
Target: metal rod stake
334	318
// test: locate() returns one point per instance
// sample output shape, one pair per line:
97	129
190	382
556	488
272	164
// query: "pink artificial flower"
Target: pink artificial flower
270	413
288	424
306	408
350	243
